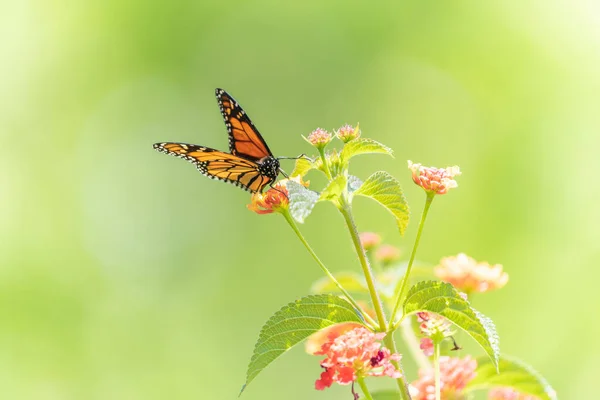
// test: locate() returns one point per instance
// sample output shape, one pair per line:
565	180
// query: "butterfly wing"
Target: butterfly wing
218	165
244	139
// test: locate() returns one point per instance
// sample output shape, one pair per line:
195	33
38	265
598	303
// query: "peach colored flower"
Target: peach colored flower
347	133
468	275
427	346
435	180
273	200
455	373
319	138
353	354
506	393
387	254
369	240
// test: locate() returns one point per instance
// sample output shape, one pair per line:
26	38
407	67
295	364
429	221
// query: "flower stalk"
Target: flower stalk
346	210
436	366
403	284
365	390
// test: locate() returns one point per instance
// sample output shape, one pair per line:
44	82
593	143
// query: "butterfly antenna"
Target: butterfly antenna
296	158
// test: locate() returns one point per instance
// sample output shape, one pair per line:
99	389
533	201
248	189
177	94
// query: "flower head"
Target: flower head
347	133
427	346
434	326
434	180
319	138
387	254
369	240
275	199
506	393
355	354
468	275
455	373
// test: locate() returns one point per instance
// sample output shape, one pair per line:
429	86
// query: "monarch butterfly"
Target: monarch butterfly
249	165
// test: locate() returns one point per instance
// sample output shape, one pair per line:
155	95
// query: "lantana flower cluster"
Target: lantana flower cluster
275	199
506	393
435	328
455	373
355	354
468	275
434	180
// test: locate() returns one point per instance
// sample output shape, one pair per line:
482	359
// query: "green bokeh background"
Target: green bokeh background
125	274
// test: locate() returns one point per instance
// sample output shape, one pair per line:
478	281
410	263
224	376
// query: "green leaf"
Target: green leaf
386	190
302	200
513	373
354	183
443	299
294	323
334	189
349	280
363	146
303	165
386	395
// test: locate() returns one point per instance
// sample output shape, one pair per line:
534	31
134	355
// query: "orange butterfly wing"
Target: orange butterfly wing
244	139
218	165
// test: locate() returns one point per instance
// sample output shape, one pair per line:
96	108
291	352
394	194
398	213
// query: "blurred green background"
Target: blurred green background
125	274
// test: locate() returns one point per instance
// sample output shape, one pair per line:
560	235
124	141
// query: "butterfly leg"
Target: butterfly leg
282	172
274	188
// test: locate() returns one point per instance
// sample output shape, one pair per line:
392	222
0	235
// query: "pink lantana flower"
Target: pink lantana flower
455	373
369	240
387	254
347	133
427	346
319	138
355	354
468	275
506	393
434	325
434	180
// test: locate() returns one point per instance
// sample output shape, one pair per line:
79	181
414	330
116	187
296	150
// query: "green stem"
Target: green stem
363	387
292	223
404	282
436	366
325	163
346	211
388	340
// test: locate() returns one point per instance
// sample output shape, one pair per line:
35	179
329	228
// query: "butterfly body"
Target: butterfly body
249	165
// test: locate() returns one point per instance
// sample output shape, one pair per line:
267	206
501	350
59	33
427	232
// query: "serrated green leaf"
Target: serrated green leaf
363	146
294	323
513	373
350	281
354	183
386	190
302	200
334	189
303	165
386	395
443	299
